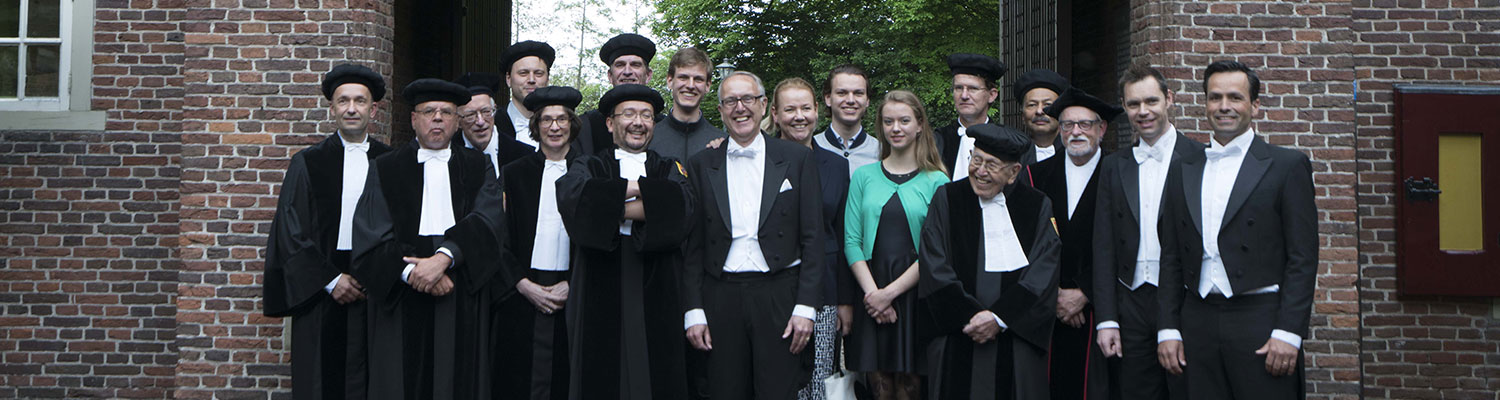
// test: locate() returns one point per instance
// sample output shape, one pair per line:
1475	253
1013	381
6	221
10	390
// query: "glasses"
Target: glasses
429	113
746	100
563	122
961	89
632	115
485	112
993	167
1086	125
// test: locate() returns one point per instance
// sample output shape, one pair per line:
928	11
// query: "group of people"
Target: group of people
528	250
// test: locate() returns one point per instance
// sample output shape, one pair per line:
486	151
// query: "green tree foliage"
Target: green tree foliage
902	44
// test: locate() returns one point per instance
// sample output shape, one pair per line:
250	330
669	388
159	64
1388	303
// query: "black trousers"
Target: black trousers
1220	337
747	313
1140	375
1078	369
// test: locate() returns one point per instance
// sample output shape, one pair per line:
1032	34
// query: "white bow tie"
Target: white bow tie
1143	153
746	152
425	155
560	164
625	155
361	147
1221	153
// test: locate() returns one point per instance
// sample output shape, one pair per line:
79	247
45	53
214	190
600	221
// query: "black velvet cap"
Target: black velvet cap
351	73
980	65
1039	78
484	83
627	43
553	96
1074	97
525	49
430	89
629	92
1002	142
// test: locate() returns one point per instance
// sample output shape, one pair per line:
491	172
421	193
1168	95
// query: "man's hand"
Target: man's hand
1069	302
632	189
714	144
846	319
699	337
1109	342
1076	320
1171	356
427	270
558	293
982	327
537	295
348	290
1281	357
800	330
442	287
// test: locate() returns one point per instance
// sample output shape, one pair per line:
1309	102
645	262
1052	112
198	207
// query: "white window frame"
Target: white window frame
70	110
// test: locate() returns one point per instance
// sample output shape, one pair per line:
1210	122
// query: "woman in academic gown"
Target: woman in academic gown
532	358
989	276
887	203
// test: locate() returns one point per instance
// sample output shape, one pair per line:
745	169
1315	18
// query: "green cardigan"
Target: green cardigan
869	190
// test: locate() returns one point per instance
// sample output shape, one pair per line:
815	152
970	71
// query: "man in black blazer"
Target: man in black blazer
753	259
1127	251
1070	180
1240	236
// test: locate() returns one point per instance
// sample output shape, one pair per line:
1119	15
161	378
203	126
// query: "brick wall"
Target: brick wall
252	100
1301	53
1416	347
88	225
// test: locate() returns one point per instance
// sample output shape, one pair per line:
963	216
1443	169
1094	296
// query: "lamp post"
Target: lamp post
724	69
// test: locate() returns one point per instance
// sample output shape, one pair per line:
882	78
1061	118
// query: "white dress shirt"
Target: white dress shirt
1003	252
491	151
356	168
1078	179
550	251
632	168
1043	153
521	124
965	149
1153	161
1219	173
745	255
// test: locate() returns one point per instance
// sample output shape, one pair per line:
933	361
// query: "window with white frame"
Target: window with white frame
35	47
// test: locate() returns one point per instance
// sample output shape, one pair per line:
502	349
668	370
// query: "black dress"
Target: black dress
888	347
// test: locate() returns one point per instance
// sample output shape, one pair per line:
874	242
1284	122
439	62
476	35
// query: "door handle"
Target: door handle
1421	190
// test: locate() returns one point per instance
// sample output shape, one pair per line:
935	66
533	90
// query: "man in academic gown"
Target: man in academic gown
975	88
477	122
307	253
532	358
628	56
1242	229
1034	91
989	276
1127	249
626	210
428	238
753	279
1070	180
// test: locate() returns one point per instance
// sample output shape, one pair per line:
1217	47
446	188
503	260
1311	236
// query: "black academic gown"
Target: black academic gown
508	149
430	347
594	136
1078	366
956	287
623	313
532	357
328	339
948	144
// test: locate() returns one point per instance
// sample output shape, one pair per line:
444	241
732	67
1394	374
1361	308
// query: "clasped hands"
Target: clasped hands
546	299
1070	304
428	275
878	305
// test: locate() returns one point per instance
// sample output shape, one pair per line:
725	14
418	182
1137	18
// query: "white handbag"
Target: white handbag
840	384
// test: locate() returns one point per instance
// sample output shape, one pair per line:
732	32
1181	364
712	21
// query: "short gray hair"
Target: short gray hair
760	88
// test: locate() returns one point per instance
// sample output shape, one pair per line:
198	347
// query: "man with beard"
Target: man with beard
989	276
1127	249
754	258
684	132
846	92
477	122
974	90
625	210
428	237
628	56
1070	181
1242	229
1034	91
532	357
307	253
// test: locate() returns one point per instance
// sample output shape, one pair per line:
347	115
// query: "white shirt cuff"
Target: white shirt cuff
406	272
333	283
1288	337
805	312
1168	334
445	250
1108	325
694	317
1001	323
